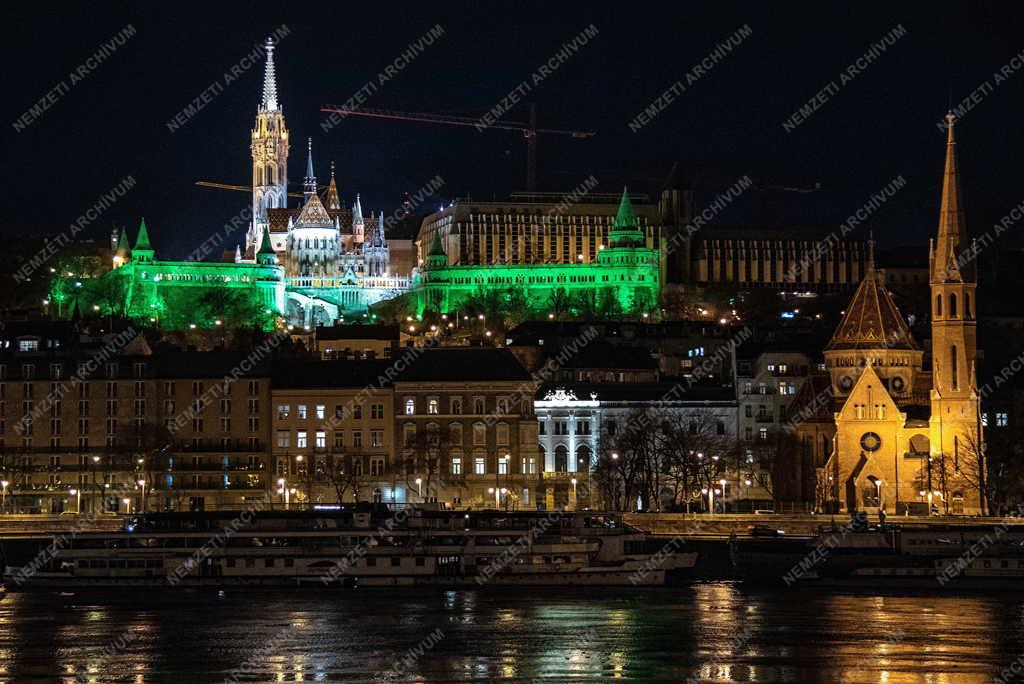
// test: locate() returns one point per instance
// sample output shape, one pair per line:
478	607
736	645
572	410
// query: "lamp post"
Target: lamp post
78	504
722	484
127	504
575	501
95	462
3	495
419	488
878	485
711	498
142	500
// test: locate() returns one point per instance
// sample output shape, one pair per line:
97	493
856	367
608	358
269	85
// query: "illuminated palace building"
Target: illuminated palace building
313	264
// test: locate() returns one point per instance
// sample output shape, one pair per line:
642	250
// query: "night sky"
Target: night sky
728	124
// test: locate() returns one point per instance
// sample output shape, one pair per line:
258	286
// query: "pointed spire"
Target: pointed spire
269	102
332	200
122	244
871	251
626	218
952	239
142	239
436	249
309	182
238	254
265	246
357	211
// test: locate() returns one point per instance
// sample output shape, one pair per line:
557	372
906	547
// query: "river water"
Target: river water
717	632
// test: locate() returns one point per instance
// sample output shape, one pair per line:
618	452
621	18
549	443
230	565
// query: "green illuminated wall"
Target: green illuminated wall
629	275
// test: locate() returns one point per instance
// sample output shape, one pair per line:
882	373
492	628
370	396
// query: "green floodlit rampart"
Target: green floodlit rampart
179	295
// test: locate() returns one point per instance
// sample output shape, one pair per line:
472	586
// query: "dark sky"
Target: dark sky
729	123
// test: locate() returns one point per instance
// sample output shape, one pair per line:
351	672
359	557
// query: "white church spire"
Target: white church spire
269	102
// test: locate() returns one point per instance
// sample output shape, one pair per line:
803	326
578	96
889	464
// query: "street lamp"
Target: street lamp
722	484
878	485
127	505
142	501
419	489
575	501
3	494
78	504
711	498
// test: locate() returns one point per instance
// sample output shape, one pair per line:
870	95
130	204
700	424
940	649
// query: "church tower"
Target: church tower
955	416
269	155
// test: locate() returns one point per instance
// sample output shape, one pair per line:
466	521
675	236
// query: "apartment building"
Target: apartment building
333	433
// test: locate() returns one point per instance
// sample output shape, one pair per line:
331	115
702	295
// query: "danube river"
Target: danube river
704	633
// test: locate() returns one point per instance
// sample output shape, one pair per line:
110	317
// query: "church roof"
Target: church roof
626	218
872	320
265	246
314	214
142	239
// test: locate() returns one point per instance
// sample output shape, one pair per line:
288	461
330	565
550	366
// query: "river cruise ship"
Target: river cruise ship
371	545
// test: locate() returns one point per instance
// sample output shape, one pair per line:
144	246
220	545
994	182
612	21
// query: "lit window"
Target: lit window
321	439
283	439
479	466
456	466
302	411
300	439
762	434
410	407
376	438
321	411
283	410
432	406
503	465
1002	419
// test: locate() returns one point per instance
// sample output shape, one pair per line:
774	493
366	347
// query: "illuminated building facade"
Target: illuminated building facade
617	265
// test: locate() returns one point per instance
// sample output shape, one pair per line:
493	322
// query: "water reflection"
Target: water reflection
710	632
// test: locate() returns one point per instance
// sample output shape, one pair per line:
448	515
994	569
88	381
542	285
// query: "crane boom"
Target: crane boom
240	188
529	130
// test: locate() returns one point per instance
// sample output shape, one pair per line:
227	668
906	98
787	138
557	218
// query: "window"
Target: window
561	427
611	427
300	439
762	434
953	368
542	428
478	405
376	438
432	406
321	439
456	403
283	410
455	434
254	387
479	433
339	439
456	465
301	411
503	465
410	406
377	412
225	425
502	406
479	466
748	410
357	439
357	412
321	411
529	466
377	466
1002	419
501	434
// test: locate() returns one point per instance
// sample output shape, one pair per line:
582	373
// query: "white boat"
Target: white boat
361	546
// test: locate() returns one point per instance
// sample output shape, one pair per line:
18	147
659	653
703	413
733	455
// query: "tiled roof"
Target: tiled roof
872	320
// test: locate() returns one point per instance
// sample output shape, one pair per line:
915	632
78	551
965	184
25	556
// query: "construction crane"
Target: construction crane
240	188
530	130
